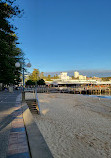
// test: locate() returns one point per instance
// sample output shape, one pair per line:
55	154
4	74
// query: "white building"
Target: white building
81	77
63	76
76	74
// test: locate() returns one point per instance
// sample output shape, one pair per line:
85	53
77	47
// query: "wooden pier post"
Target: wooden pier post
100	91
80	91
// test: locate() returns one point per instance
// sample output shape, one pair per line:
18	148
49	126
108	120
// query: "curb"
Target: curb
37	145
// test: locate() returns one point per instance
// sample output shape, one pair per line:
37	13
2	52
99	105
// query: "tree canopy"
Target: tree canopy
35	75
30	82
9	52
39	82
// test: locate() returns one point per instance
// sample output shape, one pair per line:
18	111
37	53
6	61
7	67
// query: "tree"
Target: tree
41	82
35	75
30	82
42	75
9	52
56	77
48	78
106	78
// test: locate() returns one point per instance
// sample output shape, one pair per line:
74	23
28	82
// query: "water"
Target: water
100	96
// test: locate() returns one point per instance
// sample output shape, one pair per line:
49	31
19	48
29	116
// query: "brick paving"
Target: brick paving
18	146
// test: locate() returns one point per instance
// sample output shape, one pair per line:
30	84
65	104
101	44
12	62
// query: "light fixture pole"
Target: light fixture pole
23	65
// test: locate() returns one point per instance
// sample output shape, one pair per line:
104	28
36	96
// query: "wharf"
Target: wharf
72	90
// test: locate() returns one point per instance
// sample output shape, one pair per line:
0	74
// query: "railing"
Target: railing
85	89
37	101
31	94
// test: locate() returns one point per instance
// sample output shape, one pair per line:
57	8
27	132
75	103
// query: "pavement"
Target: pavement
13	139
19	135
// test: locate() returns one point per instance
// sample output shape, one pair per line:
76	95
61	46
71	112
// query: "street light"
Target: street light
17	64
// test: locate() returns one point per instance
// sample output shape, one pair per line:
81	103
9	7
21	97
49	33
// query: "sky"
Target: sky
63	35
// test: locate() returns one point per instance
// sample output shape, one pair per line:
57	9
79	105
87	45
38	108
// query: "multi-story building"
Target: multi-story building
81	77
63	76
76	74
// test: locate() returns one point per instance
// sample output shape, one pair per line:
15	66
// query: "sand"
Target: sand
75	126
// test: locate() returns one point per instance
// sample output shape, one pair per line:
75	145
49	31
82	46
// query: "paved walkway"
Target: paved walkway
13	140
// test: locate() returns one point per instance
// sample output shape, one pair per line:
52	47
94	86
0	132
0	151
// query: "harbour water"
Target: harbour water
101	96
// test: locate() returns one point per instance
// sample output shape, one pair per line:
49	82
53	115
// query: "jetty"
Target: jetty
103	89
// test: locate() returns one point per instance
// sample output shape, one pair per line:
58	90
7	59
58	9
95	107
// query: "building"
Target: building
81	77
26	77
63	76
97	78
76	74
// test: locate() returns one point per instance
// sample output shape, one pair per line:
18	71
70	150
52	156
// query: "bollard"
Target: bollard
23	96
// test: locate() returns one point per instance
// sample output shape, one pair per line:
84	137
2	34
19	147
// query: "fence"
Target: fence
80	90
32	98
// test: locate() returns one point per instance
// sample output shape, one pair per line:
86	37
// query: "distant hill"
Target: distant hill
88	73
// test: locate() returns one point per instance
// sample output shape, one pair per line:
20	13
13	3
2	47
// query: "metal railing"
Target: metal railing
37	101
74	90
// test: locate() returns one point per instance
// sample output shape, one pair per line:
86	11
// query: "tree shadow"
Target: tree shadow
8	119
8	100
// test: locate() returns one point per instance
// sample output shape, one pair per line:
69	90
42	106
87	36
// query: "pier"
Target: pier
73	90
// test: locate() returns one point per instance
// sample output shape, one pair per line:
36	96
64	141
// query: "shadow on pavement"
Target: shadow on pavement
8	119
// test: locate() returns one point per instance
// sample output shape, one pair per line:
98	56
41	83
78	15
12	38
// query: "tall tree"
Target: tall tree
35	75
42	75
9	52
48	78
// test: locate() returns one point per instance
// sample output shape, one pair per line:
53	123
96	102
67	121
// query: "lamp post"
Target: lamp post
17	64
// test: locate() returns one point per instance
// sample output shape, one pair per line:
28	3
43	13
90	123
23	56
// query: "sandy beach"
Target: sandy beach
75	126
